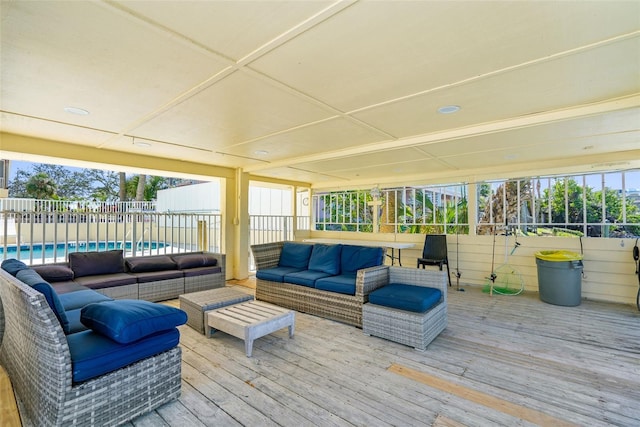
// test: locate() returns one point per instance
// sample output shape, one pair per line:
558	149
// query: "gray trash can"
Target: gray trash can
560	277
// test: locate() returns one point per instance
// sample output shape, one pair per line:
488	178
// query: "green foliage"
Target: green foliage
55	182
430	219
70	184
40	186
576	204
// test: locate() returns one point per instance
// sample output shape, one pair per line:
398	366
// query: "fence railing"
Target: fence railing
273	228
41	205
43	237
39	237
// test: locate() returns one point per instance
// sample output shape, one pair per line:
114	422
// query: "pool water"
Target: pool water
57	251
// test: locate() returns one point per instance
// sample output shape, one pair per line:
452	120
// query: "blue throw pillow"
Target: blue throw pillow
295	255
325	258
126	321
33	279
12	266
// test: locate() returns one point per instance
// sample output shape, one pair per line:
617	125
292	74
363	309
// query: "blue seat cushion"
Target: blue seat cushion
93	354
78	299
342	284
305	278
325	258
295	255
33	279
128	320
354	258
406	297
276	274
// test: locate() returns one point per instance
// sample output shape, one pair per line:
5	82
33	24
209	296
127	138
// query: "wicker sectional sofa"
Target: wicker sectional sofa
82	358
151	277
331	281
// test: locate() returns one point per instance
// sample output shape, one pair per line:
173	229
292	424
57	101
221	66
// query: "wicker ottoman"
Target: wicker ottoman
195	304
405	327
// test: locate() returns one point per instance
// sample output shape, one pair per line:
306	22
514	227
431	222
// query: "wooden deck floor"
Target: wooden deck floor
503	360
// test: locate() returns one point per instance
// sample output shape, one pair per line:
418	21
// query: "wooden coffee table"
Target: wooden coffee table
250	320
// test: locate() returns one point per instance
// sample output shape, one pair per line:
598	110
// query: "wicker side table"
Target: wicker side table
195	304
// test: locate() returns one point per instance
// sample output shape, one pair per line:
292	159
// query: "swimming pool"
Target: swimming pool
56	252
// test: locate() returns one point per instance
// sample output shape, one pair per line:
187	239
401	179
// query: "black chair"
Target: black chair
435	252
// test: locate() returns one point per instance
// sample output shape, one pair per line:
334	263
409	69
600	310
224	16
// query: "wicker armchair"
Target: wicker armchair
405	327
36	356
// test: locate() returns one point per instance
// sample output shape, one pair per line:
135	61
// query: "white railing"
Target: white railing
273	228
39	237
27	205
44	237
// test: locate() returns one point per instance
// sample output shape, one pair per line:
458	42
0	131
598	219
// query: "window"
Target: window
595	205
395	210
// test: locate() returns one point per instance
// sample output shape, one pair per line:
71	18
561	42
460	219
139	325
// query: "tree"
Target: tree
104	185
71	184
140	187
41	186
154	183
122	187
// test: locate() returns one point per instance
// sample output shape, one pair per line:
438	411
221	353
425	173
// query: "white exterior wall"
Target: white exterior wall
609	268
269	201
203	197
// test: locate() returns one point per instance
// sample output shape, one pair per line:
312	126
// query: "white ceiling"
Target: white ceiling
330	93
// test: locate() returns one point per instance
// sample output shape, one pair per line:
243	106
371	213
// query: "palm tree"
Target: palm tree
122	188
41	186
142	182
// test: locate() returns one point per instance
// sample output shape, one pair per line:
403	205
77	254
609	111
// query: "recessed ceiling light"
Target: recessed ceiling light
77	111
261	152
449	109
142	144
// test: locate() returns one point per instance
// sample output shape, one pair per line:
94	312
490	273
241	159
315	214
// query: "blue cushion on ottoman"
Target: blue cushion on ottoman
126	321
406	297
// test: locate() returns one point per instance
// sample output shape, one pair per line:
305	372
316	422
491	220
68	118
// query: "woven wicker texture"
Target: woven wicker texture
405	327
121	292
202	283
196	303
36	357
331	305
161	290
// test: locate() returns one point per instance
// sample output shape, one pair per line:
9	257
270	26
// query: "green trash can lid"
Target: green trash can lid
558	256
